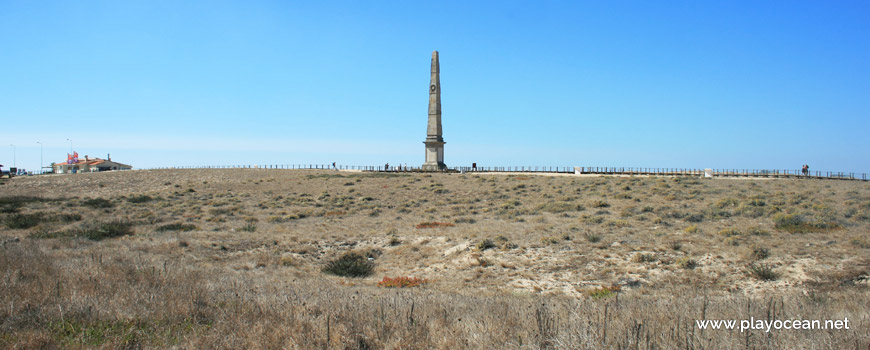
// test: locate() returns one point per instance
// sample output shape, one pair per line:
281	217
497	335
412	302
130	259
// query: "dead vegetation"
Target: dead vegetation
282	259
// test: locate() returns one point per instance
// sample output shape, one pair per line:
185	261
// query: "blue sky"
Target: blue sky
721	84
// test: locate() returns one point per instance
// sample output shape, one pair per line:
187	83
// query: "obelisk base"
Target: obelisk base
434	156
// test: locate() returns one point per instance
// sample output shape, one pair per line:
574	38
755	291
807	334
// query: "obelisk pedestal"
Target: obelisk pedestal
434	141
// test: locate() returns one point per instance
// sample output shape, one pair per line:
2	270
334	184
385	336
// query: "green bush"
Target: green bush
140	199
23	221
177	226
97	231
351	264
795	223
67	217
98	203
13	204
695	217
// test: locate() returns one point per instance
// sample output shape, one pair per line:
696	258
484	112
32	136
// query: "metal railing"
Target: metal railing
626	171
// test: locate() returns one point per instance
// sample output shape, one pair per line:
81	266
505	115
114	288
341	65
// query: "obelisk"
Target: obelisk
434	142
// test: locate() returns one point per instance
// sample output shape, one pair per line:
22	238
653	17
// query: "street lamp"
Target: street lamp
40	156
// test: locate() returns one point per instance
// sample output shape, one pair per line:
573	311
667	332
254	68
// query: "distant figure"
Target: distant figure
473	166
333	166
806	170
387	167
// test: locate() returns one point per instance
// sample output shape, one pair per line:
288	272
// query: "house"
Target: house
76	165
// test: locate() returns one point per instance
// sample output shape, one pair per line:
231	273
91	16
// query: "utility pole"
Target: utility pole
40	156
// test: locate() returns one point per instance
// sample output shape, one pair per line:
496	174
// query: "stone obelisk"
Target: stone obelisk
434	142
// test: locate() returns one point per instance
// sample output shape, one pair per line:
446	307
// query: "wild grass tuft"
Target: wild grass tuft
763	272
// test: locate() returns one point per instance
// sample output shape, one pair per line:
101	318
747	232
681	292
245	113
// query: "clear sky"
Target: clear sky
719	84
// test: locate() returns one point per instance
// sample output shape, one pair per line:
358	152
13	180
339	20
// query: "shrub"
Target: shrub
733	240
695	217
603	292
402	282
860	242
727	202
23	221
98	203
177	227
593	238
250	227
789	222
66	217
599	204
763	272
13	204
434	224
691	229
676	245
140	199
687	263
351	264
485	244
757	231
97	231
618	223
795	223
760	253
593	220
550	240
464	221
561	207
729	232
644	258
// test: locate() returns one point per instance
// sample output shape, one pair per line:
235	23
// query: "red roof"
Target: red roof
89	161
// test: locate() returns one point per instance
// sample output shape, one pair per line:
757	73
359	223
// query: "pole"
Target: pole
13	156
40	156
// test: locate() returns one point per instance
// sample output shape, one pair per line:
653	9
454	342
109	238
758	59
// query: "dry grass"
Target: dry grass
235	259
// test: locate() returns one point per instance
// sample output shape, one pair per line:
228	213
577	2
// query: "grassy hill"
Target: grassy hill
252	258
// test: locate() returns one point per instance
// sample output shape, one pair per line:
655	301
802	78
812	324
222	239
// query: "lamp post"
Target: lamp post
40	157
